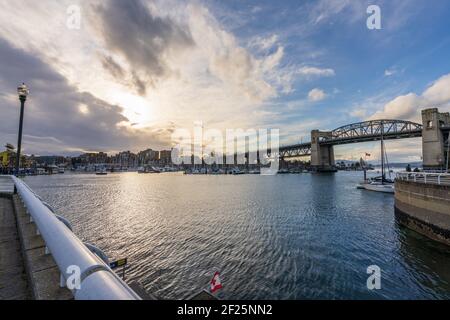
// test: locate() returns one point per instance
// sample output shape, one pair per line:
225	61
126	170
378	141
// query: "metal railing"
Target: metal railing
97	280
425	177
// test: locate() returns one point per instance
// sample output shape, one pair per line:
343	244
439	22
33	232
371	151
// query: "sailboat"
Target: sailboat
379	184
101	172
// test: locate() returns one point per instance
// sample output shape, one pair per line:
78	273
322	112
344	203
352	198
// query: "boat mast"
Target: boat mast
382	152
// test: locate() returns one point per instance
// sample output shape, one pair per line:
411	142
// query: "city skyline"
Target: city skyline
117	83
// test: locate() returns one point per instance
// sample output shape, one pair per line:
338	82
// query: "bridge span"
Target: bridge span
434	131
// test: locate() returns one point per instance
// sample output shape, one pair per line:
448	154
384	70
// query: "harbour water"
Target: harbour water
301	236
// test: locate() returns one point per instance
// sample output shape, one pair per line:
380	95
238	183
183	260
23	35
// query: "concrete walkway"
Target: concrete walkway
13	277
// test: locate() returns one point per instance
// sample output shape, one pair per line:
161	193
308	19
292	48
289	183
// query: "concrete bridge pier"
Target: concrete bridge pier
433	139
322	156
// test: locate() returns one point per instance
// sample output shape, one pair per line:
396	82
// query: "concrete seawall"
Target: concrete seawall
424	208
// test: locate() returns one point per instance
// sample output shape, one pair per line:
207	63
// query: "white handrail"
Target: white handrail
98	281
425	177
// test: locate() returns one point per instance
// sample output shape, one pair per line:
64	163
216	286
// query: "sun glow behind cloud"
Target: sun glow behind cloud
189	69
153	66
137	109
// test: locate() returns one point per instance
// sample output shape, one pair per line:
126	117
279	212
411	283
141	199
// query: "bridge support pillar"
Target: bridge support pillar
322	156
433	139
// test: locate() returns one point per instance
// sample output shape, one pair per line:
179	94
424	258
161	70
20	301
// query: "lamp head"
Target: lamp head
23	91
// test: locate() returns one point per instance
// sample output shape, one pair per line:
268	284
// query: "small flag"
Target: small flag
216	284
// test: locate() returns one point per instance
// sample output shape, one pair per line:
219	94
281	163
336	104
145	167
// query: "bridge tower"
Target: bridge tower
433	138
322	156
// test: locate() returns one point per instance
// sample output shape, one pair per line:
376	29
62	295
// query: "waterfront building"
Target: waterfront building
148	156
165	157
8	160
94	158
125	159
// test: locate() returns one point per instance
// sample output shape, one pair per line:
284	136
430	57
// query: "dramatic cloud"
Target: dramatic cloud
144	40
149	67
58	117
316	94
143	65
409	106
113	67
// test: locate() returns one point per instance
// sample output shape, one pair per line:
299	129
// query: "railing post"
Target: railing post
62	281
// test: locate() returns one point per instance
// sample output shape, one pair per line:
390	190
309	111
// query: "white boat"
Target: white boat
155	170
101	172
379	184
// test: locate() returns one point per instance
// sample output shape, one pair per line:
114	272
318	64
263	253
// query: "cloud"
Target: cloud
113	67
402	107
144	65
264	43
316	94
58	117
439	92
313	71
143	39
389	72
325	10
408	106
358	113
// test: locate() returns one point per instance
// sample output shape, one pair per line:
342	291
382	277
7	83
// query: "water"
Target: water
280	237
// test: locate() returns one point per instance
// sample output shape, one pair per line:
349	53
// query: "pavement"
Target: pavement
13	277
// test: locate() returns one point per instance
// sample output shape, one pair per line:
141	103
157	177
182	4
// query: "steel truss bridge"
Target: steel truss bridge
358	132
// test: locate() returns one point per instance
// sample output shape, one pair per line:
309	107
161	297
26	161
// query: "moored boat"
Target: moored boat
101	172
379	184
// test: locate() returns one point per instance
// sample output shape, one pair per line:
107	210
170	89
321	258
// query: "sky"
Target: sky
133	72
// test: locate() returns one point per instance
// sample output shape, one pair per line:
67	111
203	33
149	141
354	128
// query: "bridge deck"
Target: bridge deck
13	277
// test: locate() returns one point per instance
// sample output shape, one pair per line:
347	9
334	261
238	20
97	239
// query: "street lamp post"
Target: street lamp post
23	93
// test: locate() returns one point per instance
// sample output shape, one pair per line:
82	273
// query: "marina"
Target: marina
313	244
221	158
302	232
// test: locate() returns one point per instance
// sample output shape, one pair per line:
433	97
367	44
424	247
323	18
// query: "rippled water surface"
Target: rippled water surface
281	237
